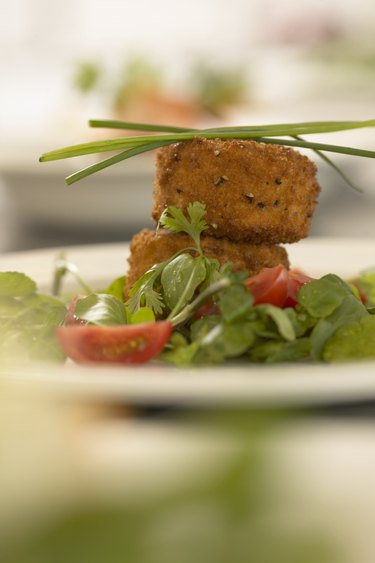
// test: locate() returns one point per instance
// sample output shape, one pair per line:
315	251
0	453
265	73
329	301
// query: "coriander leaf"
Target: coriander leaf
16	284
355	341
180	279
174	219
143	292
235	303
101	309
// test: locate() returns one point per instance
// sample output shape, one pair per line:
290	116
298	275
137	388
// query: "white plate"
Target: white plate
237	384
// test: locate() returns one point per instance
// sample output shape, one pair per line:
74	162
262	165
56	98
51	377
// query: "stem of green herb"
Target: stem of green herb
190	308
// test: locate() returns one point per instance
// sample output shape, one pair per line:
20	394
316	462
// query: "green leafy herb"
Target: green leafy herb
101	309
173	283
143	315
355	341
281	320
143	292
116	288
180	279
235	303
64	267
16	284
321	297
173	219
28	320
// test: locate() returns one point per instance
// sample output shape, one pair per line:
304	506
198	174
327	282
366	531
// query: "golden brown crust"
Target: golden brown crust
253	191
150	247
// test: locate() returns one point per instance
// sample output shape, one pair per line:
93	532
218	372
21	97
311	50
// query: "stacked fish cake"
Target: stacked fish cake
257	196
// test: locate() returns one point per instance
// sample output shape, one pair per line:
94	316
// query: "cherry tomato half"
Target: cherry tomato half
207	309
296	280
122	344
277	286
270	285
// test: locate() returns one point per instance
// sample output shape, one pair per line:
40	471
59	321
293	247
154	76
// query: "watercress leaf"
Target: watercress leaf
116	288
321	297
355	341
36	340
143	315
45	302
226	341
301	320
281	320
180	279
46	348
101	309
350	310
236	338
203	326
281	351
178	350
10	306
235	303
182	356
16	284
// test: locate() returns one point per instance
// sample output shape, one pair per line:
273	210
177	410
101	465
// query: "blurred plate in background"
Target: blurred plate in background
116	201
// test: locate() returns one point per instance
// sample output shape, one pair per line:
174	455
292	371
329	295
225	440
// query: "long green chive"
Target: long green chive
164	135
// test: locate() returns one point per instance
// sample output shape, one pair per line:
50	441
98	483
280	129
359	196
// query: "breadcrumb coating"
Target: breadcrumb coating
151	247
253	191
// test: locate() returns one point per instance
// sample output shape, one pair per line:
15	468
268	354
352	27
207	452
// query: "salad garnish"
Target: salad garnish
288	134
216	314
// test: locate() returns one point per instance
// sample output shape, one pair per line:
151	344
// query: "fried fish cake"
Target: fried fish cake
253	191
151	247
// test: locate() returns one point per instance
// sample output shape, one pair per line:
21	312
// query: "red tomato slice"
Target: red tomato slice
122	344
207	309
270	285
277	286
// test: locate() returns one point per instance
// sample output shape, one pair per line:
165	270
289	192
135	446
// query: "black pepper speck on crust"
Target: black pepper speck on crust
251	168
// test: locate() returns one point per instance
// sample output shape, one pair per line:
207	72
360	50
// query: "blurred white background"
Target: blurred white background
297	60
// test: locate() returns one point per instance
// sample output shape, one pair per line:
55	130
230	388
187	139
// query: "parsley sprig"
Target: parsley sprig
173	219
288	134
